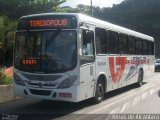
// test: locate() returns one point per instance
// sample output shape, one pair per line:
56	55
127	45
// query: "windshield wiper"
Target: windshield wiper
53	37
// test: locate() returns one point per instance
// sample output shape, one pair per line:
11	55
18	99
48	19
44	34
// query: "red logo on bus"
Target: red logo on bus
117	66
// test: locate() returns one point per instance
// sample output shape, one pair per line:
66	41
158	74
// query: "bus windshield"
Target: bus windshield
45	51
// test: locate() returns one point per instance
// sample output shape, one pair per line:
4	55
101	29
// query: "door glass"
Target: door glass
87	48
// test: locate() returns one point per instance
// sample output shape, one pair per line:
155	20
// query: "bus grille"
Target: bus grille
42	77
37	84
40	92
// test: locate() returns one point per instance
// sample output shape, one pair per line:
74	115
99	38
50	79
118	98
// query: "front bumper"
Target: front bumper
69	94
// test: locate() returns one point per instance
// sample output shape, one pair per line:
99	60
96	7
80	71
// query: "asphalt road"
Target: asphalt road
150	105
123	101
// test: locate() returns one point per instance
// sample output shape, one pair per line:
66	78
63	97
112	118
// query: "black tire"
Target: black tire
140	78
99	93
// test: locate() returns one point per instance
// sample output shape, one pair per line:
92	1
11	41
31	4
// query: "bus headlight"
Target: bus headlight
18	80
67	82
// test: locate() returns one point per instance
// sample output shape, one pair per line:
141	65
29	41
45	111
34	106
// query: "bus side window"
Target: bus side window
131	45
123	43
139	49
145	51
87	47
101	41
150	48
113	42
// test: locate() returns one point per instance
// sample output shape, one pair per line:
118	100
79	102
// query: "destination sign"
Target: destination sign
47	22
52	22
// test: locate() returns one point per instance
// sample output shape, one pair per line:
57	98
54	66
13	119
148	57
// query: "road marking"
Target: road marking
109	101
151	92
136	100
115	99
124	107
144	95
106	104
127	95
115	110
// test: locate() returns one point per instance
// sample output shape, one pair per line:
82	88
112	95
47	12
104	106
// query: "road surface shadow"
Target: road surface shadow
121	90
38	109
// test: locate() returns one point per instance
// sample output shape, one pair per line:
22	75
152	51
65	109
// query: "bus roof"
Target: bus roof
99	23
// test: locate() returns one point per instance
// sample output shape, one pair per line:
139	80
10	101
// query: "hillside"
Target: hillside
141	15
146	14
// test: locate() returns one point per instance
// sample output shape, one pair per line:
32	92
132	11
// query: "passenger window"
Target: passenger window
145	51
139	50
101	41
123	44
131	45
87	47
149	48
152	46
113	43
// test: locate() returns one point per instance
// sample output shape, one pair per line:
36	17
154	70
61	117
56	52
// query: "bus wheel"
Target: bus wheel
140	78
99	93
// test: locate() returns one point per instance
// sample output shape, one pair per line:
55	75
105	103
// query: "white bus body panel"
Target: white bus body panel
18	90
87	75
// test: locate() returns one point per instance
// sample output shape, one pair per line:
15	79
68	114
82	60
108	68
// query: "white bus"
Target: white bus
73	57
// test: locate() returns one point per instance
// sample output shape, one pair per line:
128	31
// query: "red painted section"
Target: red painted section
117	66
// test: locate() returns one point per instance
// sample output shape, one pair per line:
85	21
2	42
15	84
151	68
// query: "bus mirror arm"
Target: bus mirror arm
84	25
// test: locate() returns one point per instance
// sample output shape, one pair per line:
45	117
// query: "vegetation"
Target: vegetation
16	8
140	15
145	12
11	10
143	15
4	78
7	25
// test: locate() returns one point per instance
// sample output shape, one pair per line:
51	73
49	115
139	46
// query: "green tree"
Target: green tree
18	8
7	25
